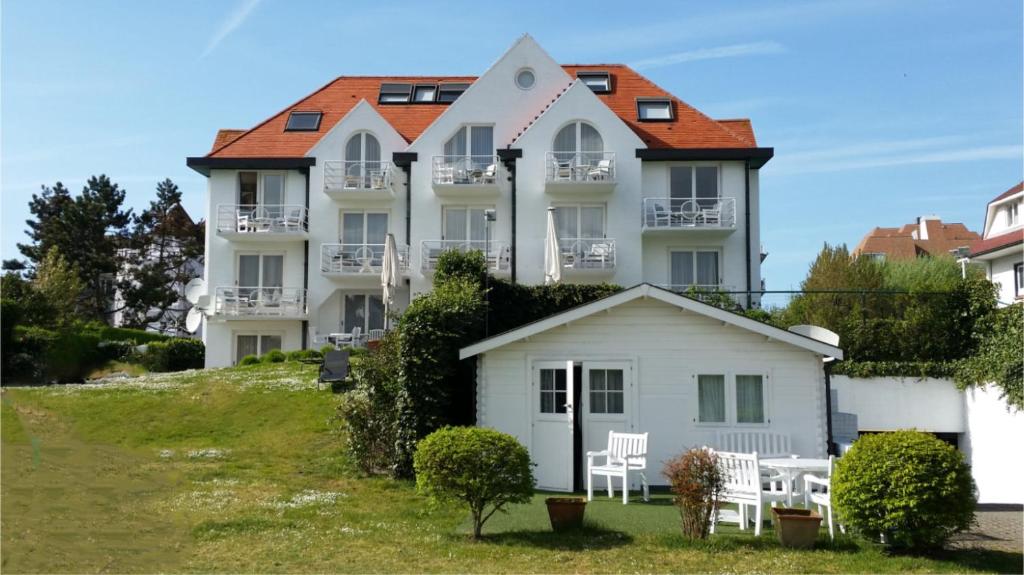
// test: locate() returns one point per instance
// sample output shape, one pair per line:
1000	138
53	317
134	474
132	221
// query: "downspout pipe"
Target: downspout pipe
404	160
305	266
746	224
508	157
830	445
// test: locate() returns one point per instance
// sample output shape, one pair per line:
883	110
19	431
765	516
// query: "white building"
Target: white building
645	187
1000	249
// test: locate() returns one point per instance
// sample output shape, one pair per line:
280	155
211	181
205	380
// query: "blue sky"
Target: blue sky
878	111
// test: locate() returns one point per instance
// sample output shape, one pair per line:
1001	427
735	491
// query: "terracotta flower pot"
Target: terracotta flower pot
566	512
796	528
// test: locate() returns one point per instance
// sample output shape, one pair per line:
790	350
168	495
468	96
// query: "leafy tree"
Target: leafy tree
998	360
58	286
165	247
483	468
87	229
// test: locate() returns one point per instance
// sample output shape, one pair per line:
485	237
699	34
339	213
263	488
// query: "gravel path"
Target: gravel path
999	527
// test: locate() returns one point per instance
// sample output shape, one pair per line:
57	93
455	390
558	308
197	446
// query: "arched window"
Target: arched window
580	143
362	158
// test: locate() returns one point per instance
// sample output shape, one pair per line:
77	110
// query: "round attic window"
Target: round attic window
525	79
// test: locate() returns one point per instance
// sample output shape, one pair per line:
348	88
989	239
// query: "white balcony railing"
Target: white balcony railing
261	218
587	253
340	176
234	301
580	167
497	254
479	170
678	213
358	258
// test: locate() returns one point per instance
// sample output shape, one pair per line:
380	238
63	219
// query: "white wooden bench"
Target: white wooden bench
626	452
765	443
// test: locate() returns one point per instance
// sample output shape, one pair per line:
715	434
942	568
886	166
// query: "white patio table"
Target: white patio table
794	468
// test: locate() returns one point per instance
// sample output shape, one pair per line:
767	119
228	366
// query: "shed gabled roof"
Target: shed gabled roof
649	291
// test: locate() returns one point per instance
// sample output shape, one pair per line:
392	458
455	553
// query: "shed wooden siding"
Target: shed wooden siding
669	347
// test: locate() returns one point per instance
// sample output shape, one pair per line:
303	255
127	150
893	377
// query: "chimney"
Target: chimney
923	227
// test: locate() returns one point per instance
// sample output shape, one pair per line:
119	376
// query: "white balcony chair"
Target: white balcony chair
744	488
602	171
354	177
352	339
293	220
711	216
244	221
488	175
563	170
627	452
818	490
290	302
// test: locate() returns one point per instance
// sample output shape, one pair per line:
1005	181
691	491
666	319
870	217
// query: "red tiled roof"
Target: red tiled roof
689	129
1016	189
997	243
900	244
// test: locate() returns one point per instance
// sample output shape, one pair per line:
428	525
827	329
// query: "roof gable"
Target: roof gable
577	102
650	291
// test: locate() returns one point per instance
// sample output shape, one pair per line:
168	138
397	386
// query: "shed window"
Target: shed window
447	93
711	398
424	93
303	122
599	82
606	394
654	110
395	93
552	391
749	399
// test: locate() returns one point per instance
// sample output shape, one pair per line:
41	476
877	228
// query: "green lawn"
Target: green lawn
241	470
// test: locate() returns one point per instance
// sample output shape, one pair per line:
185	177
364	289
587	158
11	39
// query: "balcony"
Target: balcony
587	255
264	222
250	303
590	172
701	215
358	180
466	176
345	260
497	254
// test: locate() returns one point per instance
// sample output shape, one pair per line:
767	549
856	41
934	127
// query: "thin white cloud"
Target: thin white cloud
732	51
235	19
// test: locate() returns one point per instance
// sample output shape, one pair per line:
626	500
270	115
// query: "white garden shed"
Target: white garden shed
647	360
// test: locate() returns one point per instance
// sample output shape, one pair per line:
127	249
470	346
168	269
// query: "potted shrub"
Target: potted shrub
796	528
697	481
566	512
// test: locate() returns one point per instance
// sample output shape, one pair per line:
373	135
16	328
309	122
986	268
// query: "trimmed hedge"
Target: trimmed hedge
273	356
249	360
918	369
174	355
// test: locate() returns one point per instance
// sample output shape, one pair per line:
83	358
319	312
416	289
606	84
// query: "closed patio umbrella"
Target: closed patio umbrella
552	254
389	274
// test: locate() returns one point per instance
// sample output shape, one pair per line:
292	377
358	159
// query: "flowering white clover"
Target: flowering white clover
208	453
310	497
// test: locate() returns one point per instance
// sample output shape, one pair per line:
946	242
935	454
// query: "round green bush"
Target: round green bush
274	356
300	354
908	486
483	468
249	360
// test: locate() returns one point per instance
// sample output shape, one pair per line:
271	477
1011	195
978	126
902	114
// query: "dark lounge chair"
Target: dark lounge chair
334	369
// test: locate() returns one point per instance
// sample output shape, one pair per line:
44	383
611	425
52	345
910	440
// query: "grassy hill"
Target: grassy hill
242	470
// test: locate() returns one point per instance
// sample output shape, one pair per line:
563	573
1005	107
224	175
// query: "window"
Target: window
552	391
654	109
448	93
693	188
465	224
424	93
365	311
606	393
525	79
255	344
599	82
471	144
247	188
270	194
579	222
874	256
362	160
1012	214
259	276
749	399
1018	280
394	93
711	398
303	122
579	142
694	268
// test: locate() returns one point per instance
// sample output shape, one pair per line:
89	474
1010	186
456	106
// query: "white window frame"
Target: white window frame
719	180
578	125
260	187
258	334
469	138
1012	214
361	134
641	103
469	218
366	308
364	213
579	216
730	397
694	250
261	254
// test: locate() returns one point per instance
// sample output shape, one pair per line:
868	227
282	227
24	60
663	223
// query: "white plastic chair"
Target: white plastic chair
627	452
818	490
292	220
744	488
602	171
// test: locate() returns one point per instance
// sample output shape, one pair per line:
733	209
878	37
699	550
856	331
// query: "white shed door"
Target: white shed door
551	441
606	403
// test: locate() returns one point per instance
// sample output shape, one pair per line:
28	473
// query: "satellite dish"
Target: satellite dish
203	303
194	289
193	320
817	333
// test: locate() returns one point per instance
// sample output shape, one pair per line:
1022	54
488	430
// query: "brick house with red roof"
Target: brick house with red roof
929	236
642	186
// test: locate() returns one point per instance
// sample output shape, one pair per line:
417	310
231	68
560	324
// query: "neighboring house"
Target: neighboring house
1001	251
645	188
928	237
647	360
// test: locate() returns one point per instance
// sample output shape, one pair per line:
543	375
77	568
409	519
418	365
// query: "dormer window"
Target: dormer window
395	93
424	93
654	109
598	82
448	93
1012	214
303	122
